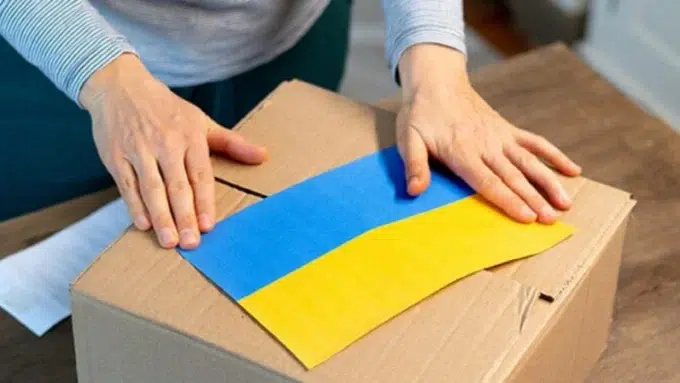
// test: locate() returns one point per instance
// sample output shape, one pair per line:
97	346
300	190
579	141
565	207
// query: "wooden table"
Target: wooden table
548	91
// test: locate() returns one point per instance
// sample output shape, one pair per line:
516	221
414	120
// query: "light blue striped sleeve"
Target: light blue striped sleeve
68	40
409	22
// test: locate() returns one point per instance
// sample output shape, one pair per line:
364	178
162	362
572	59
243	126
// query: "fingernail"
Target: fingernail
188	237
204	221
141	222
528	213
414	185
167	236
564	196
548	212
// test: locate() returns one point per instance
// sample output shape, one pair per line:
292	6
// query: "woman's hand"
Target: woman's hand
443	116
156	146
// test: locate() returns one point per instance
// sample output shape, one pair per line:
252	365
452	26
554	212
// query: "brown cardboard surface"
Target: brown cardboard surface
303	138
144	314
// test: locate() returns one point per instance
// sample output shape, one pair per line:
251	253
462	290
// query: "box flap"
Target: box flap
495	317
137	276
306	131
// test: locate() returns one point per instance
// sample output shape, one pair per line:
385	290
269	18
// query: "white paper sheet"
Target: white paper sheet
35	282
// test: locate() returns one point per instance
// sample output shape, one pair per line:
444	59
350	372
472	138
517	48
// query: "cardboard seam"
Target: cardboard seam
86	298
240	188
498	362
595	246
234	207
242	124
528	295
166	275
208	304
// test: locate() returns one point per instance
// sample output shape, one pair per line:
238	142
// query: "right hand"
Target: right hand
156	147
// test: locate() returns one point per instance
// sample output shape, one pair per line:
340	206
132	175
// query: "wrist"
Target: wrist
116	74
431	66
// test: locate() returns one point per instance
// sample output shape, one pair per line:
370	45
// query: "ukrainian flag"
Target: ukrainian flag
325	261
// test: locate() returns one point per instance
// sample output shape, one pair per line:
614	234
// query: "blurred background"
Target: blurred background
635	44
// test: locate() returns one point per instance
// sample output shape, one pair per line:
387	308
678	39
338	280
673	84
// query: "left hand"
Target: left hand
442	116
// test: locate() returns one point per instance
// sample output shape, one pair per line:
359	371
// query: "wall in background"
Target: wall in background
636	45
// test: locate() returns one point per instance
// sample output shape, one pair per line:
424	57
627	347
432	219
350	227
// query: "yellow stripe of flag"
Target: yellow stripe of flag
324	306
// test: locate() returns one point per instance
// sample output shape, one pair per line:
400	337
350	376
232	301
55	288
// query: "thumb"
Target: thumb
233	145
415	156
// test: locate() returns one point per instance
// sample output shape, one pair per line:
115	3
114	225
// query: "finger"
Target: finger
541	175
232	144
475	172
542	148
199	171
518	183
180	196
415	156
155	198
126	180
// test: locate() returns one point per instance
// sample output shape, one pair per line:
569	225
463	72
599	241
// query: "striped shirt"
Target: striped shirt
190	42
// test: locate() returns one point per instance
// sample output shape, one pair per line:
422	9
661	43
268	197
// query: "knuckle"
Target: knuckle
127	185
195	136
175	116
449	149
130	140
460	137
153	185
516	179
185	220
167	140
161	219
200	176
541	140
116	164
170	143
523	159
177	186
415	167
202	203
487	185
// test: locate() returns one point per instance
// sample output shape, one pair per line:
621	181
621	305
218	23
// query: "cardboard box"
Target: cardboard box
144	314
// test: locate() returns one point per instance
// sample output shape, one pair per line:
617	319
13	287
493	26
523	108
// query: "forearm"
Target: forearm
68	40
411	22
